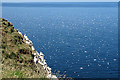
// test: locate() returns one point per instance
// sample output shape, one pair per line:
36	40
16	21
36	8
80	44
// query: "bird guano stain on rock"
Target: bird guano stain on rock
39	58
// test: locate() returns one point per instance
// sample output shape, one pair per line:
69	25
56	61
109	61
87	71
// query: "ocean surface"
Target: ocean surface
78	39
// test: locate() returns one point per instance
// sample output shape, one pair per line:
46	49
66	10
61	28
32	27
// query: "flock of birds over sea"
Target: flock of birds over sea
79	44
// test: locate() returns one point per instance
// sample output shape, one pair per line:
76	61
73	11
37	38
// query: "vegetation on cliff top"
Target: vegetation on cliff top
17	59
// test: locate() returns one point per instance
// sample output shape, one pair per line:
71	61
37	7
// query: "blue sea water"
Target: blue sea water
81	41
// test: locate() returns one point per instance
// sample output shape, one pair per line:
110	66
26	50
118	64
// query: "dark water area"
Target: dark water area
81	42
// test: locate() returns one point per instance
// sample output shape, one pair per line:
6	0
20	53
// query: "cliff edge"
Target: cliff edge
19	57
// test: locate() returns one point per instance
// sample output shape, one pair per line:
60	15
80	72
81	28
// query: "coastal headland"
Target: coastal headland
19	57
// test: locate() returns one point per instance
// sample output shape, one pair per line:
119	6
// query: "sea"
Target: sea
79	39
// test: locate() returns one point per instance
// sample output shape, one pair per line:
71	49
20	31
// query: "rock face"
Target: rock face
19	57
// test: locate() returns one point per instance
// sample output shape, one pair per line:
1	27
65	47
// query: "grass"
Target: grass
17	60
